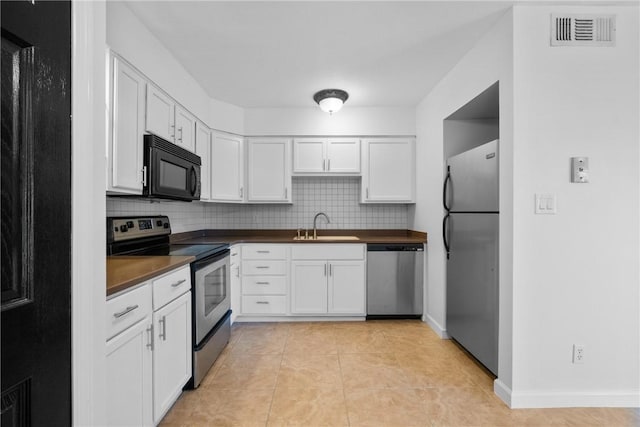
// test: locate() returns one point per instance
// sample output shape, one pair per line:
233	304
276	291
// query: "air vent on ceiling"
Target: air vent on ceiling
583	30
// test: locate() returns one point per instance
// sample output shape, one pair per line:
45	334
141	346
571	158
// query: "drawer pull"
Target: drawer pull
125	311
234	254
263	252
262	283
262	267
178	283
262	302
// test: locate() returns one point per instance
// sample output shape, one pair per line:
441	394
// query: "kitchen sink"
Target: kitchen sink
328	238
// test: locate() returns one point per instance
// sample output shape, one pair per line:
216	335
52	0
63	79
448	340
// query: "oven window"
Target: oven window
215	290
172	175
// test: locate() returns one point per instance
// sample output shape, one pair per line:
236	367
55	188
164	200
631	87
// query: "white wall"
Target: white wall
127	36
88	302
489	61
313	121
576	274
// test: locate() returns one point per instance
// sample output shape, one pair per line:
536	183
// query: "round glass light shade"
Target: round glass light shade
330	105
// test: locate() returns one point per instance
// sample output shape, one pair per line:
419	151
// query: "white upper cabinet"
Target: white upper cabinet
320	156
160	119
269	170
203	149
227	171
126	129
388	170
185	129
168	120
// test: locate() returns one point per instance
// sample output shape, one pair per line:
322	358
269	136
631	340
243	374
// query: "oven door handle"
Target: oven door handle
198	265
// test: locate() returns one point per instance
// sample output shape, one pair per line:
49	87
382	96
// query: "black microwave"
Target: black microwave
170	172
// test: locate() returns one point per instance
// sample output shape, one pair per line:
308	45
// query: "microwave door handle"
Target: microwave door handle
194	179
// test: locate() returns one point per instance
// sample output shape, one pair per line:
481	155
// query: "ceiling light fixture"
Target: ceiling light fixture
330	100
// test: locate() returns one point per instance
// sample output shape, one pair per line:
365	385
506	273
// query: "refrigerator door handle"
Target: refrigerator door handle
445	187
445	232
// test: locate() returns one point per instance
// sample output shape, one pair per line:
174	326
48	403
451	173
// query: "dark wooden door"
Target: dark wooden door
36	213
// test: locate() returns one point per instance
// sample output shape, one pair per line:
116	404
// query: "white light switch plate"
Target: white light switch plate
545	204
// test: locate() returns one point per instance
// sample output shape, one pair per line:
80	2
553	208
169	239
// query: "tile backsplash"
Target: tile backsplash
338	197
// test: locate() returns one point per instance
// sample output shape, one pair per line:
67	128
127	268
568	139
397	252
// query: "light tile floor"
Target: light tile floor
375	373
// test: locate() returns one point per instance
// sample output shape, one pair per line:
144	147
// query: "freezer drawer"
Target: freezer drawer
394	280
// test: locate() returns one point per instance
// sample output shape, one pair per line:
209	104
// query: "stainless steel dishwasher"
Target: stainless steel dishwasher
394	280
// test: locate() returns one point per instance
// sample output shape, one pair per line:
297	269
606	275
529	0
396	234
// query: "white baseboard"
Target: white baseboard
502	391
437	328
566	399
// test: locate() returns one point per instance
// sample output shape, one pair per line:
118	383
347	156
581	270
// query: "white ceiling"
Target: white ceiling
278	54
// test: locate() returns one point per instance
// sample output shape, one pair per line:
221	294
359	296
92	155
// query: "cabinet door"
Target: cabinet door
343	155
234	284
309	155
172	355
160	114
128	376
346	287
185	129
203	149
309	287
127	129
389	174
227	171
269	170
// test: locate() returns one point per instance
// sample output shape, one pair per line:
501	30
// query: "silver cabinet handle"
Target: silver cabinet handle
172	130
150	339
180	130
262	283
263	252
144	176
234	254
241	191
178	283
163	331
329	269
262	267
262	302
238	271
367	193
329	164
125	311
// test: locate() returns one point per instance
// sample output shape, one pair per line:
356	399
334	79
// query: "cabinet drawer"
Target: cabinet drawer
264	252
326	251
264	267
264	285
170	286
127	309
267	304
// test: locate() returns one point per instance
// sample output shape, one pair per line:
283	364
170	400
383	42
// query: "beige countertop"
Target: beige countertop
126	271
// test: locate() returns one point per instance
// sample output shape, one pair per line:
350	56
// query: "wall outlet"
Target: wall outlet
578	353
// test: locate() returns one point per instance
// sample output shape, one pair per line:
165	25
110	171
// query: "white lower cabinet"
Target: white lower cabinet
328	279
172	353
234	285
129	358
148	349
128	394
264	279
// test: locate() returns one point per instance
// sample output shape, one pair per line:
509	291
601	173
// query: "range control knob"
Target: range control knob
130	224
159	223
124	228
166	225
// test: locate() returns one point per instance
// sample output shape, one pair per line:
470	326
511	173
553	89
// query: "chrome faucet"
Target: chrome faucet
315	218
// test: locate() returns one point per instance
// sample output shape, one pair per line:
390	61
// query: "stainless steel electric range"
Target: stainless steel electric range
210	280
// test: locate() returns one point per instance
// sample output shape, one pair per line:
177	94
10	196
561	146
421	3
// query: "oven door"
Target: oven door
210	292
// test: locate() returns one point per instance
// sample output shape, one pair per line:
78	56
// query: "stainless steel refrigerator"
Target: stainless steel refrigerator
470	233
